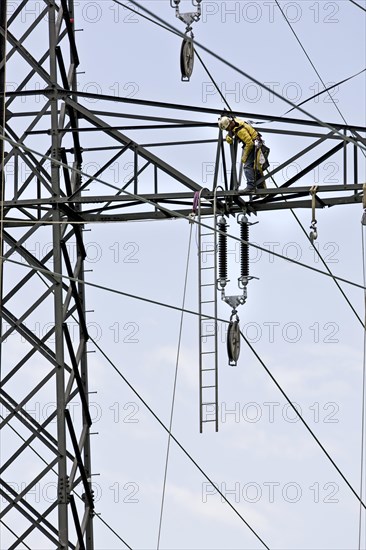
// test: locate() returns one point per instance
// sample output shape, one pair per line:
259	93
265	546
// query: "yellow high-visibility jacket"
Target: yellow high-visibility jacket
246	133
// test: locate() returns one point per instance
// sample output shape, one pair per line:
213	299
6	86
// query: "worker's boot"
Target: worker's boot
250	189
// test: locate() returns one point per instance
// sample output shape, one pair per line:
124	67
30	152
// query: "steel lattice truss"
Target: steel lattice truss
48	198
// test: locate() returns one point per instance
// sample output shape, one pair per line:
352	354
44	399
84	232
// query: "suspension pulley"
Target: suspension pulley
187	49
233	339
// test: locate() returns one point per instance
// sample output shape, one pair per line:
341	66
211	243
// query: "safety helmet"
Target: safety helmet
224	122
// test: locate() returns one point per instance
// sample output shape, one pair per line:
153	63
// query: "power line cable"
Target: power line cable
121	539
161	24
344	120
299	222
323	261
354	311
358	5
212	79
304	422
313	66
337	84
327	89
172	30
188	455
56	473
309	59
292	211
246	75
174	389
151	300
276	383
176	32
115	291
221	320
113	531
172	213
171	418
280	389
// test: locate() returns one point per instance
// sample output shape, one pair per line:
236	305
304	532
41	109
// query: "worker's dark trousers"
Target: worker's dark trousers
249	168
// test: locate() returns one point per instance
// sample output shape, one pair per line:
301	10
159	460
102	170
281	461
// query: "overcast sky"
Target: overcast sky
263	459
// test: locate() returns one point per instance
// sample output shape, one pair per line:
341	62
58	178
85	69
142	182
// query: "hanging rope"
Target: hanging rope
363	406
213	81
174	389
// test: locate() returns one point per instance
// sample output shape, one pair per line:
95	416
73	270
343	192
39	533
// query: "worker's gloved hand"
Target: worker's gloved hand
229	139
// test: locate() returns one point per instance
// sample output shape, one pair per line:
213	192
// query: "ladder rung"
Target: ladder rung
207	352
207	335
202	268
208	302
213	420
213	386
213	403
205	370
205	318
209	284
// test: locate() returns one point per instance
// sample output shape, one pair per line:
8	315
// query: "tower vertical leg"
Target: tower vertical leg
3	27
48	364
62	491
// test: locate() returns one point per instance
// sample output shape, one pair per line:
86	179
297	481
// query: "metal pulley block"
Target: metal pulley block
233	340
187	49
187	58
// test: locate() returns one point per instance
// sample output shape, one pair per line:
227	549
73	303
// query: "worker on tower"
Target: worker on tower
255	153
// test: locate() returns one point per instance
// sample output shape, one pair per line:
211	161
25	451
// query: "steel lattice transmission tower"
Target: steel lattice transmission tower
44	199
54	363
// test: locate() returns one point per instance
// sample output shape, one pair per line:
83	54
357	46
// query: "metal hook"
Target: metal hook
313	235
314	232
